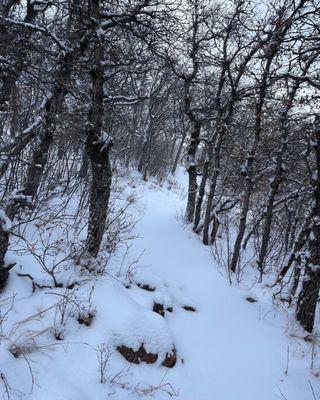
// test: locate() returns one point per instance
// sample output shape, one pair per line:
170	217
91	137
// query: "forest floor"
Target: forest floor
228	349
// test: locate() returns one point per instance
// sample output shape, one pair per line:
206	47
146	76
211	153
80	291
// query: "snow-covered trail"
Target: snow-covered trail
229	349
232	349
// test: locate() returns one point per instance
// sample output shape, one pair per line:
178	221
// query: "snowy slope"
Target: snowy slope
229	349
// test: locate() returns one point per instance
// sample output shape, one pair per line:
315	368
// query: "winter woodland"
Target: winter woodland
159	199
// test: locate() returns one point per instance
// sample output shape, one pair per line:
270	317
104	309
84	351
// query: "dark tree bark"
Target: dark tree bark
219	129
13	72
98	145
282	25
45	127
214	229
145	150
194	121
296	275
7	5
224	114
53	108
4	243
212	187
178	155
192	170
278	174
202	189
83	173
298	244
309	295
249	166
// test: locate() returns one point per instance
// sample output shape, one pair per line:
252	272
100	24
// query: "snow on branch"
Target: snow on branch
41	29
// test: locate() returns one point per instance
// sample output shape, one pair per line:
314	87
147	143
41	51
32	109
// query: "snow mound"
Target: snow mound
131	325
170	294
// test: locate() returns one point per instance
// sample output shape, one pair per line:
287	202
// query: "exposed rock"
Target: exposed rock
141	355
137	356
86	319
147	287
251	299
159	308
171	359
189	308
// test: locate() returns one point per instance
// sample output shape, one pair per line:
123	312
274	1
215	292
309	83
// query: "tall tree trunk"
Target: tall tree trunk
214	229
309	295
15	69
143	154
53	109
83	173
192	171
178	155
212	188
145	151
248	171
46	126
243	221
299	243
38	163
98	145
145	141
300	263
4	243
274	188
277	178
281	27
201	193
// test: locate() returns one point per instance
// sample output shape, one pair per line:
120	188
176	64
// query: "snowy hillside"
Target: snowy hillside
227	342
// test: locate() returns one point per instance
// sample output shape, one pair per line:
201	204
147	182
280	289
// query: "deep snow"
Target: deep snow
229	349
